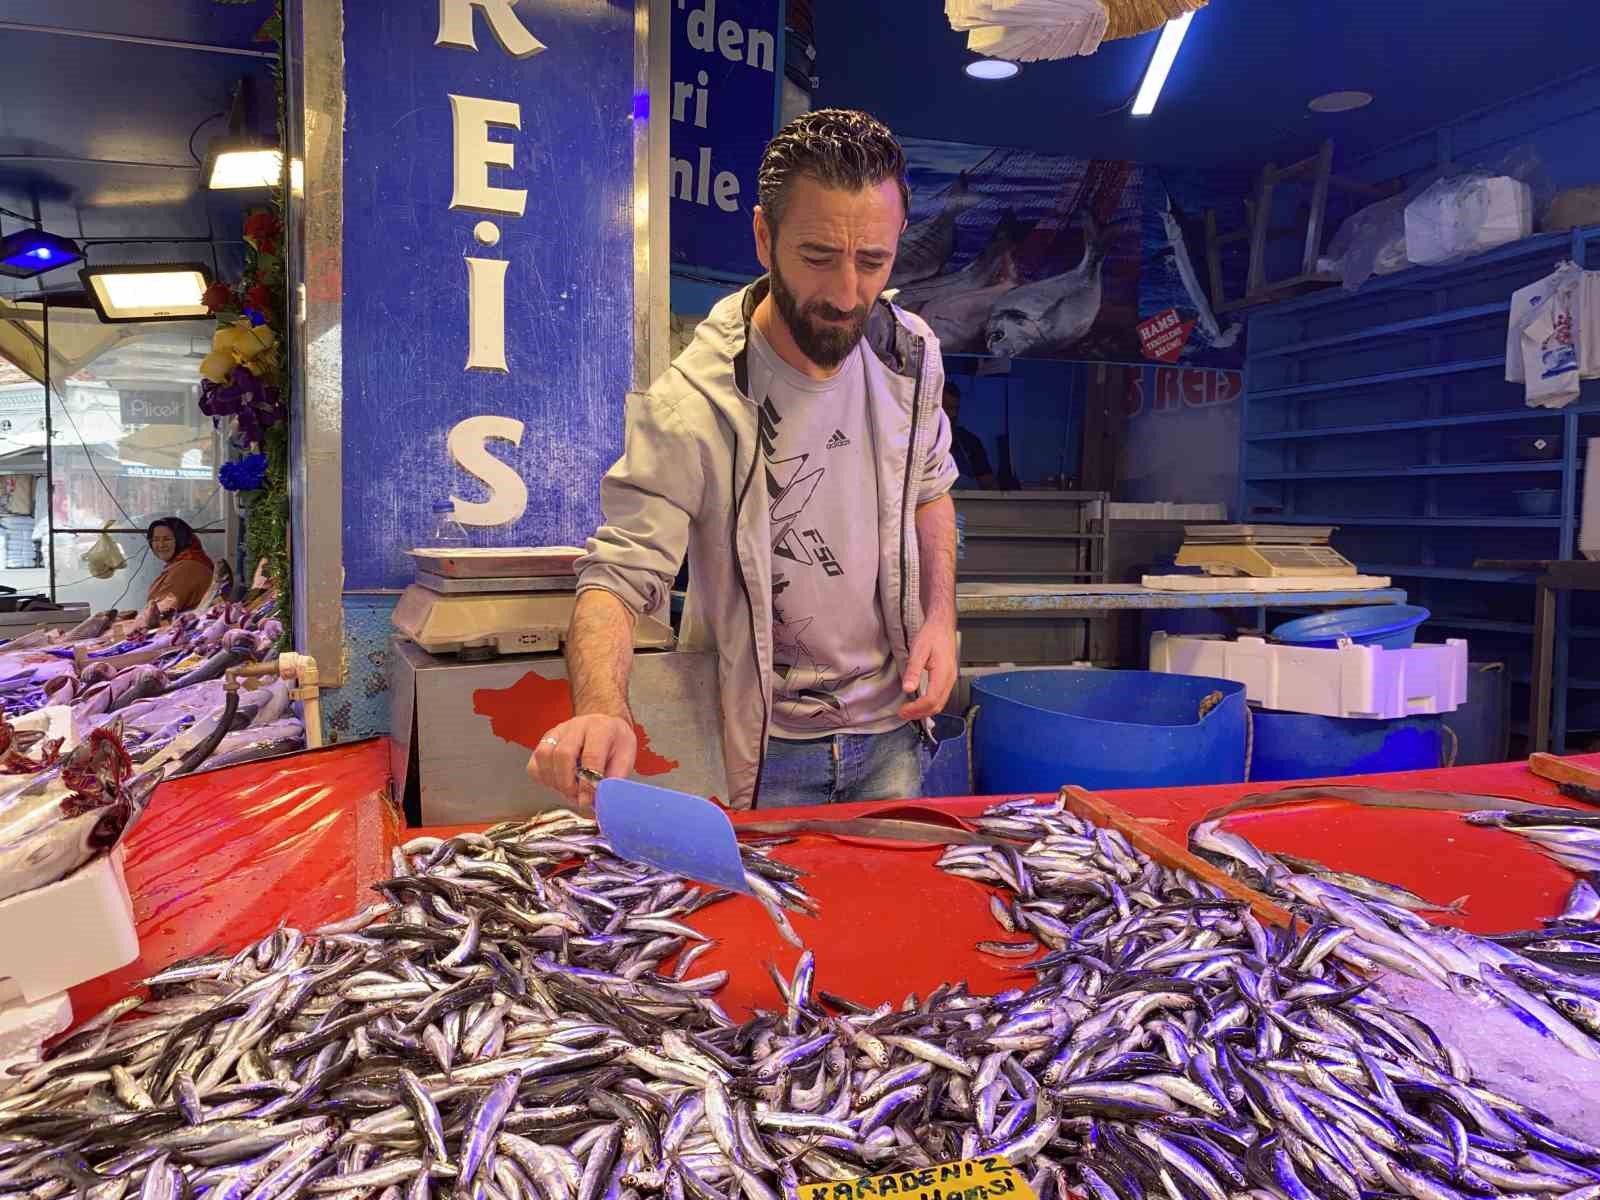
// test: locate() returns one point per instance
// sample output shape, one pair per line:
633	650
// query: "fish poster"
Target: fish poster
1017	254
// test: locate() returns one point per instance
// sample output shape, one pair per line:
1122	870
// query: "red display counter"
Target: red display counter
222	858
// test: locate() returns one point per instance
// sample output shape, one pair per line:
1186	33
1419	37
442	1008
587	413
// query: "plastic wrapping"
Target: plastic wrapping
1445	215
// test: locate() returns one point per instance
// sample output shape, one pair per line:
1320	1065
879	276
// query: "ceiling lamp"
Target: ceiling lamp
991	68
1339	102
30	252
155	292
1032	30
1160	65
241	160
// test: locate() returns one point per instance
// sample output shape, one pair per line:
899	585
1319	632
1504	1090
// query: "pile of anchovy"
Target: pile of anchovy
1548	981
519	1019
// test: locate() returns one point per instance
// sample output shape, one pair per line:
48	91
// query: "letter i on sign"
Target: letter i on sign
474	152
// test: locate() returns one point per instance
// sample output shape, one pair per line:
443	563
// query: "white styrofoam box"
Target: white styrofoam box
55	720
67	932
1467	215
1350	681
25	1027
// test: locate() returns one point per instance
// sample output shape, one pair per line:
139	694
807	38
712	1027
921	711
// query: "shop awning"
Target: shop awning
77	337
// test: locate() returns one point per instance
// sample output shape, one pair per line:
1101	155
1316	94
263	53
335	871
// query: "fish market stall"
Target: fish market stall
1176	1068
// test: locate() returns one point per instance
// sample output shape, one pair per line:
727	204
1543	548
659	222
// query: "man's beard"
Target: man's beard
824	344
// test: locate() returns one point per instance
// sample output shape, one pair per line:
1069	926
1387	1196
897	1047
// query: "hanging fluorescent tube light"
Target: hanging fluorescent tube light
157	292
1166	54
30	252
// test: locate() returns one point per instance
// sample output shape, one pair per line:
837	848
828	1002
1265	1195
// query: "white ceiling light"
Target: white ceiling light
1166	54
1338	102
163	292
992	68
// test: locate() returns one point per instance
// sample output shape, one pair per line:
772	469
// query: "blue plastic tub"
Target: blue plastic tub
1392	626
1300	746
950	771
1038	730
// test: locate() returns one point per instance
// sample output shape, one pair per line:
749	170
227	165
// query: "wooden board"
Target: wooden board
1101	812
1563	770
1286	583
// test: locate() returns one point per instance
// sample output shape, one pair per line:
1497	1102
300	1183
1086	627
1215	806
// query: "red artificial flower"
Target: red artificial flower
261	225
217	296
259	298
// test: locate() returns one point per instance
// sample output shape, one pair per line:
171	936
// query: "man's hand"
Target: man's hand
605	745
933	653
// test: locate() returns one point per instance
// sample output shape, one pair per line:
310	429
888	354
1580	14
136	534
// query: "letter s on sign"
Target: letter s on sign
508	495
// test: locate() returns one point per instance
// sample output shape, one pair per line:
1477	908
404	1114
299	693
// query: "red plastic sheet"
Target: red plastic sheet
223	858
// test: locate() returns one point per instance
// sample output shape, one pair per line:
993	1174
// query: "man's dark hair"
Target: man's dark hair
838	147
950	388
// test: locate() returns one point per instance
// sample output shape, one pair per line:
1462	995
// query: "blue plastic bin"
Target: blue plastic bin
1301	746
1392	626
950	772
1038	730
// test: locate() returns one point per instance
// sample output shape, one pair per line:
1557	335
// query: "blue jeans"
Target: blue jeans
844	768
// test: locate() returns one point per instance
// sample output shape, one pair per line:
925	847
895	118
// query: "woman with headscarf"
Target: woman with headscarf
187	575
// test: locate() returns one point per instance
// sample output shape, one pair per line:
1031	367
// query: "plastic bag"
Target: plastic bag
105	557
1372	241
1542	345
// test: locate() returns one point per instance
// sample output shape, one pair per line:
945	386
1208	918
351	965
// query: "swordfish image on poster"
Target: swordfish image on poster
1016	254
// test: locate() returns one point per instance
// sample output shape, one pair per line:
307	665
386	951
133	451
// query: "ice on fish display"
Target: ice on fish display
519	1019
153	694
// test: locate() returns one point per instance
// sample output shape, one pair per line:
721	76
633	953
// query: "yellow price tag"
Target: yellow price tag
987	1178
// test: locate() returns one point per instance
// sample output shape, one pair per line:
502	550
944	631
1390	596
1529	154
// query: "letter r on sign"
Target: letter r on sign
456	26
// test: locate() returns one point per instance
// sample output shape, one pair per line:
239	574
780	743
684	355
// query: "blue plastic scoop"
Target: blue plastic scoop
674	831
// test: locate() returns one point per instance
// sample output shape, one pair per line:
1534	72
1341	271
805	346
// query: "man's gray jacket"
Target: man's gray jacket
690	480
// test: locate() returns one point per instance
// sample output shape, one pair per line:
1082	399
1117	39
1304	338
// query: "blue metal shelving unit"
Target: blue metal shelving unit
1386	412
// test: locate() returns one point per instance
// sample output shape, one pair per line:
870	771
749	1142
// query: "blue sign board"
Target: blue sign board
488	271
726	72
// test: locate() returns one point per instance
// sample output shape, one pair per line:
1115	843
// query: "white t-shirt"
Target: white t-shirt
833	671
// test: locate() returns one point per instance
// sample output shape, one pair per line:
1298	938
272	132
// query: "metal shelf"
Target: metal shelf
1457	316
1483	625
1490	418
1442	522
1464	367
1405	322
1529	467
1469	574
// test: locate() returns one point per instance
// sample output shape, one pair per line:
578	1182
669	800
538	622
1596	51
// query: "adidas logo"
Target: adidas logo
838	440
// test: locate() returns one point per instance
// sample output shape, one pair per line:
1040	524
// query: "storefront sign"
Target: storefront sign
725	75
154	408
1173	389
988	1178
487	284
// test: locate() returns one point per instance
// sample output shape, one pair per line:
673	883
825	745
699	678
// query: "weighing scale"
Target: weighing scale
480	603
1264	551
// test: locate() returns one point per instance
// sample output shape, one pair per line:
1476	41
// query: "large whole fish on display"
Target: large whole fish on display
519	1018
140	697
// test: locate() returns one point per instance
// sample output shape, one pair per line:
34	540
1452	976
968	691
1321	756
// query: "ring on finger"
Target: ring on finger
551	741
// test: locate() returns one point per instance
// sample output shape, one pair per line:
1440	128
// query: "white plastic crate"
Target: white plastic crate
1350	681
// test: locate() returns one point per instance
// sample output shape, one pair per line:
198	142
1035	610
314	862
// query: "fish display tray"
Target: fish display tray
497	562
1349	681
67	932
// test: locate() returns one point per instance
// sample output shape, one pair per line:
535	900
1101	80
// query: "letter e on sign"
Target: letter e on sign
455	26
508	495
475	153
